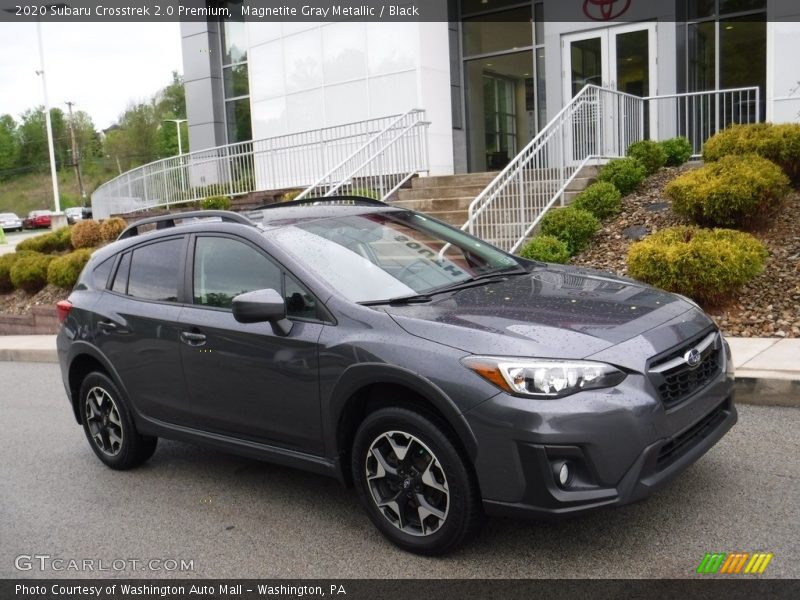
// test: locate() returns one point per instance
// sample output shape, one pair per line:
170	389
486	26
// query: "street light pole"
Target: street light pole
49	125
180	148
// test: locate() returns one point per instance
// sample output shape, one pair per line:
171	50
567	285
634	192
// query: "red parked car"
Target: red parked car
37	219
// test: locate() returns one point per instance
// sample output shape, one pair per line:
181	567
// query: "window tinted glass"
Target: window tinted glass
121	278
101	273
225	268
154	271
299	301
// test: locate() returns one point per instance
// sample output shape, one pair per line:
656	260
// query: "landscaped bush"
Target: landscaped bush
63	271
29	271
47	243
573	226
6	262
624	173
216	203
290	195
365	193
602	199
111	228
778	143
731	192
704	264
651	154
86	234
545	248
677	150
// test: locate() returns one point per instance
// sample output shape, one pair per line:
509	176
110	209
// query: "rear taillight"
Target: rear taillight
63	307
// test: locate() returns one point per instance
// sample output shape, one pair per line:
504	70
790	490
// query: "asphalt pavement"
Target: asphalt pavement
235	517
15	237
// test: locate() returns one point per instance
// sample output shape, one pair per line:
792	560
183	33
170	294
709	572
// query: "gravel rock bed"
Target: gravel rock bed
769	306
20	303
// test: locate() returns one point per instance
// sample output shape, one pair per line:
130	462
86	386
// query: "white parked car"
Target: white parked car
74	214
10	222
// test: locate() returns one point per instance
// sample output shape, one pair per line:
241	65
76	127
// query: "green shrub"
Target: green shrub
651	154
6	262
29	271
111	228
365	193
731	192
545	248
216	203
86	234
290	195
573	226
602	199
704	264
778	143
47	243
678	150
624	173
63	271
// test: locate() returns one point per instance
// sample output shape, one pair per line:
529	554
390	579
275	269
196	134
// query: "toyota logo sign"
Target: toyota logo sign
605	10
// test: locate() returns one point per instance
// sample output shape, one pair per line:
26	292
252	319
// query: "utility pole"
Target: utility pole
75	154
48	124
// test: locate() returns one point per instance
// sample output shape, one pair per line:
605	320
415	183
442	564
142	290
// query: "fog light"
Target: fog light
563	474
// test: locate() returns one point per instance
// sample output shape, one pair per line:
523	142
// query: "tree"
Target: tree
32	135
9	146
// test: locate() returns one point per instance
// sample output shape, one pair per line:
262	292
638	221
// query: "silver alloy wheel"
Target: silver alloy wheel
103	421
407	483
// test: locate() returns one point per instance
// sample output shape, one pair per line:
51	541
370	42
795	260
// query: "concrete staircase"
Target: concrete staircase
447	197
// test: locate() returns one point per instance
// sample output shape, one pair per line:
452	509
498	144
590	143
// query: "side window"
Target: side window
299	301
120	284
101	273
154	271
225	268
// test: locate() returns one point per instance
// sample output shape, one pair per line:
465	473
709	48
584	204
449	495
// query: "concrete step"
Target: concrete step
429	204
580	183
453	217
455	191
480	179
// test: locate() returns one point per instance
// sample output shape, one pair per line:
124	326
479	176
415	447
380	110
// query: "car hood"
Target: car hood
552	311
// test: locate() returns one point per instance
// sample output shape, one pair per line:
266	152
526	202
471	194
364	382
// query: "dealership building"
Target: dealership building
490	77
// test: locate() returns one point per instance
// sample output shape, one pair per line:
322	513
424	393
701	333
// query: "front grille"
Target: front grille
676	380
682	443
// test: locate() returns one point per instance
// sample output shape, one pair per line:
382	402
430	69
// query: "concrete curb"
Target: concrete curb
768	392
28	355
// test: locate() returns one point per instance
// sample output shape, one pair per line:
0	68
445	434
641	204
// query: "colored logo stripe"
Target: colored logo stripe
732	564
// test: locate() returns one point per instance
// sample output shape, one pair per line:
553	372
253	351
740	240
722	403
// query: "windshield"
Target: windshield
379	256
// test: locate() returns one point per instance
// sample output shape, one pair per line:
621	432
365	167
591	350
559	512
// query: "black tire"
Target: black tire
108	425
451	491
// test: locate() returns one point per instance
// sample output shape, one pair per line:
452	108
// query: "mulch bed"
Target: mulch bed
20	303
769	306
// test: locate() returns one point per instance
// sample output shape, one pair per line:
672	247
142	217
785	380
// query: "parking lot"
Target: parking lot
235	517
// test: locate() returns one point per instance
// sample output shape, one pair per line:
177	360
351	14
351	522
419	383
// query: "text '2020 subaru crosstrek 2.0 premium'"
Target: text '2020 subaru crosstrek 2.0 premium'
442	377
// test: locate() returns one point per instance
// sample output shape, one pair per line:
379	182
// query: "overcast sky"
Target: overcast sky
102	67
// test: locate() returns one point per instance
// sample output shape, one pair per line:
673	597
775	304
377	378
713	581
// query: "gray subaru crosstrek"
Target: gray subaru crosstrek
443	378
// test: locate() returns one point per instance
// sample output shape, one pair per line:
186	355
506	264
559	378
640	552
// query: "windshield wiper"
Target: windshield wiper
477	280
414	299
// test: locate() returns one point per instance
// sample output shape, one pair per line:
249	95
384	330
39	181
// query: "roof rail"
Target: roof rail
167	221
348	200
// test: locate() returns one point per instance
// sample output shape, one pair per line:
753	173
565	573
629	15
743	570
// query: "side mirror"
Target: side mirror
262	306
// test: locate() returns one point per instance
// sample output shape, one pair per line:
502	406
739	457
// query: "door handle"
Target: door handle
192	338
108	326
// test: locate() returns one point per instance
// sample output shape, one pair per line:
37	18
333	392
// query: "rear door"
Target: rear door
243	379
136	327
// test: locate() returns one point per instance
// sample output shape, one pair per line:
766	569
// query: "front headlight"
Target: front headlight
543	378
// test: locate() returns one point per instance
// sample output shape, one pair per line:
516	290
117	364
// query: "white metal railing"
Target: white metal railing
287	161
596	125
380	166
699	115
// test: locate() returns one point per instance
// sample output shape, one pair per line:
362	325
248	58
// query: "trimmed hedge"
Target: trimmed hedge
6	262
545	248
216	203
573	226
111	228
64	271
678	150
704	264
29	271
602	199
778	143
86	234
47	243
626	174
649	153
731	192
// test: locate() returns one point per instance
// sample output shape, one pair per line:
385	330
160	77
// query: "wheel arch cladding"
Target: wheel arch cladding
80	366
366	388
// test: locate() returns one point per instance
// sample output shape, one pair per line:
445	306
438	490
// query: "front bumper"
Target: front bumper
621	445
